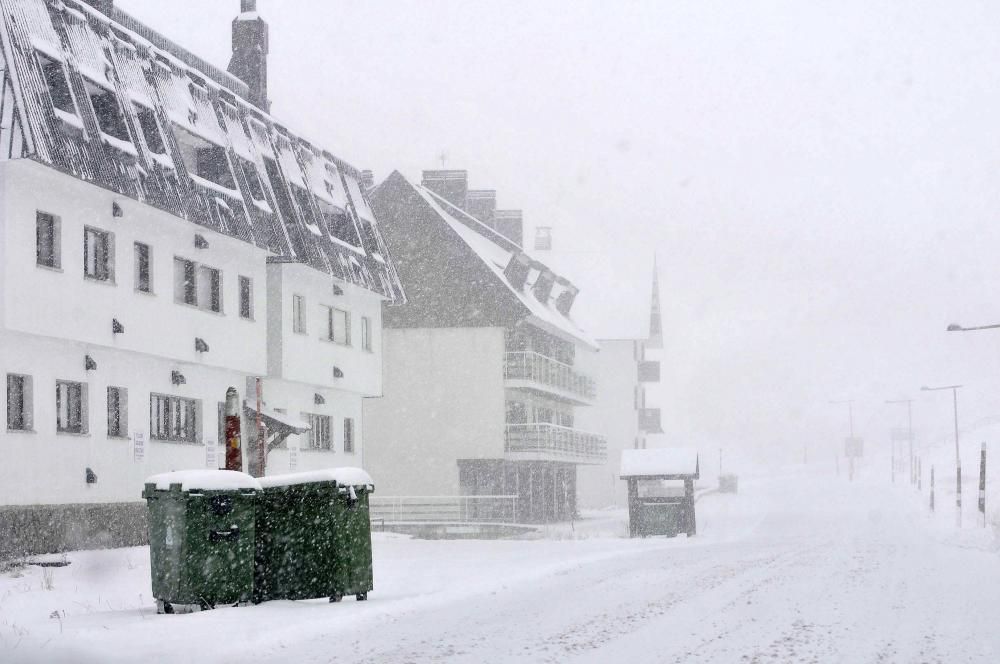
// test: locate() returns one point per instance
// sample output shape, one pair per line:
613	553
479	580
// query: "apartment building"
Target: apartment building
485	369
163	238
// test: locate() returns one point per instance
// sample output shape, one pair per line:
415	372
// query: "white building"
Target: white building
162	239
486	371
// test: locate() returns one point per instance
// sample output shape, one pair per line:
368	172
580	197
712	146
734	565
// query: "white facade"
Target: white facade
55	321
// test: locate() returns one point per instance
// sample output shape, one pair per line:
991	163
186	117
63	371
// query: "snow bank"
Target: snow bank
207	480
659	461
345	476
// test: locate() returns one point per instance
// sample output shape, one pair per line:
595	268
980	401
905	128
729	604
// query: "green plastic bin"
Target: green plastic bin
201	538
313	536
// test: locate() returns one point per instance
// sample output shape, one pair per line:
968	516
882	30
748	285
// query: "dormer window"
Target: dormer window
108	111
54	72
150	129
204	159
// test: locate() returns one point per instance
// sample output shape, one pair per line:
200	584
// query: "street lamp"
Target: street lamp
909	420
958	457
850	424
955	327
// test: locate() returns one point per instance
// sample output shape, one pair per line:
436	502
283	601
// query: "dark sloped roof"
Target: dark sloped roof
271	187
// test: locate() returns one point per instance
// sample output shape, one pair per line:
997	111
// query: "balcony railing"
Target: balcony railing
551	374
443	509
551	442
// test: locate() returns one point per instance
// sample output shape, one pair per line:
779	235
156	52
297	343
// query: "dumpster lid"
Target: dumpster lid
345	476
206	480
662	463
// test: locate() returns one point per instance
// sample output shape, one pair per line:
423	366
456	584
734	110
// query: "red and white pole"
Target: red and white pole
261	439
234	451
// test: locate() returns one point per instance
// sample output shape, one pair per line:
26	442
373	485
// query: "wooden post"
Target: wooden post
633	507
932	488
982	483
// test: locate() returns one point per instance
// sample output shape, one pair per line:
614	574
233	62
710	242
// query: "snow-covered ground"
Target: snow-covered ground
794	568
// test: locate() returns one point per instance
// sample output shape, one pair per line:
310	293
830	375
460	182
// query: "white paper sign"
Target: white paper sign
138	447
211	454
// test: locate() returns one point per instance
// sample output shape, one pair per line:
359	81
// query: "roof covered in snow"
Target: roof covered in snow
666	462
496	252
179	134
205	480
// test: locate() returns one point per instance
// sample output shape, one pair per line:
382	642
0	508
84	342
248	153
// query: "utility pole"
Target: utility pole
958	455
909	436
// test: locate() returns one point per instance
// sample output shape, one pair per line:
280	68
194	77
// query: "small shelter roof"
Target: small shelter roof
664	463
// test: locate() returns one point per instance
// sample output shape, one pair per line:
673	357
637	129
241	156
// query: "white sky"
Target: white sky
819	179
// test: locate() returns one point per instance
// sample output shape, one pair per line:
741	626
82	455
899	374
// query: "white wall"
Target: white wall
310	358
613	415
443	401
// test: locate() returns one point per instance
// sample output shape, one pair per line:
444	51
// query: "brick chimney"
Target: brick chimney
481	203
510	224
250	48
449	185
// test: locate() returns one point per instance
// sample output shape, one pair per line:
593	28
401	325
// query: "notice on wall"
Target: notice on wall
211	454
293	459
138	447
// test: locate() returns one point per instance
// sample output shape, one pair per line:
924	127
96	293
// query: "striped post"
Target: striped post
932	488
982	483
920	476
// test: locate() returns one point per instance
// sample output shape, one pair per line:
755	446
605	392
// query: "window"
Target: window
173	419
117	412
55	78
349	435
209	289
339	326
150	130
108	111
71	407
143	268
320	433
47	240
298	314
98	254
197	285
366	333
246	298
252	179
203	159
18	402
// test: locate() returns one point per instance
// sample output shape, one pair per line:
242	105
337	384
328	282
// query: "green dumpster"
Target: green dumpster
201	538
314	536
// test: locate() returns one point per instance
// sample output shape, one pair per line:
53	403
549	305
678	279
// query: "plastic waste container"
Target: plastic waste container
313	536
201	538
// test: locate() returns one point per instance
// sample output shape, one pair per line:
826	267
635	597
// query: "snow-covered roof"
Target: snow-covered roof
496	251
659	461
293	423
344	476
205	480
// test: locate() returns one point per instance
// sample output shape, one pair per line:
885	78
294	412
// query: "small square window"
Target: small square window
47	240
339	326
19	408
209	289
298	314
320	432
98	254
117	412
143	268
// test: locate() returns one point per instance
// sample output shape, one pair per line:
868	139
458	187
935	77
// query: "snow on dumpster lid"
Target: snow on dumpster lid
346	476
659	461
206	480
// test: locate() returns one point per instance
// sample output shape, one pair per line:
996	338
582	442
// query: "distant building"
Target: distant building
485	371
163	238
623	312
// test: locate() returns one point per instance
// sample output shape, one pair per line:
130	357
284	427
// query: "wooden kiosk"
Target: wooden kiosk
654	506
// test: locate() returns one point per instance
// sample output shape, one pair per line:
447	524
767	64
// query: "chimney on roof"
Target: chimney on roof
449	185
250	48
367	180
481	204
565	299
510	224
543	284
543	238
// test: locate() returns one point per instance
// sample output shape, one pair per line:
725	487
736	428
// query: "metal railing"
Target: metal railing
555	442
528	365
443	509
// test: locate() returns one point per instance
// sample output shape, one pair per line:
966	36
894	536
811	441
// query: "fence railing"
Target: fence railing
443	509
554	442
531	366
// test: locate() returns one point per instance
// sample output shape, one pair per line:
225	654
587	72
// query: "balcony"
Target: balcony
649	371
551	442
538	373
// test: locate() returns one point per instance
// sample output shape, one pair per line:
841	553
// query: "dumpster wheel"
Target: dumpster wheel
164	607
361	597
336	597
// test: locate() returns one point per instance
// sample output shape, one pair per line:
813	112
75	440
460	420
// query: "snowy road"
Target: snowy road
788	571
